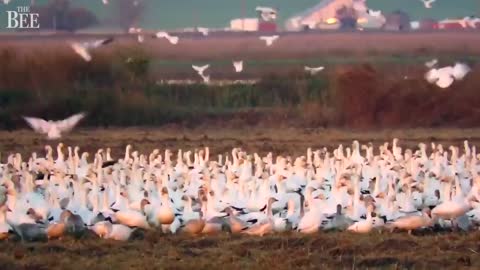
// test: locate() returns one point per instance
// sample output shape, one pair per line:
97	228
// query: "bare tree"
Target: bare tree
347	17
127	12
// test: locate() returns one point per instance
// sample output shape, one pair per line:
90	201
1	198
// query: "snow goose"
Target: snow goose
73	223
133	218
4	226
83	48
269	39
264	226
172	39
412	222
428	3
238	66
313	70
363	226
54	129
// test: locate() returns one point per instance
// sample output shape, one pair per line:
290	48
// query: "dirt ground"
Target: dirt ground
282	140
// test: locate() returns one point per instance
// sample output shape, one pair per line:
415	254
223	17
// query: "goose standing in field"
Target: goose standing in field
238	66
363	226
47	197
172	39
428	3
83	48
54	129
4	226
117	232
412	222
313	70
269	39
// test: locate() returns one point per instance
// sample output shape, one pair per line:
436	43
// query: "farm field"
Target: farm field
289	141
153	250
290	53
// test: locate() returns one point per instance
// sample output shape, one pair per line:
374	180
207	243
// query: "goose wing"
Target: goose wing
81	50
70	122
38	124
200	69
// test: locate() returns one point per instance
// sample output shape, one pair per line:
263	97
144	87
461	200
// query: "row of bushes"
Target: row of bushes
118	89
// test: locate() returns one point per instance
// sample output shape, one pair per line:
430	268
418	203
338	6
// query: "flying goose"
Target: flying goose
83	48
269	39
313	70
172	39
428	3
203	30
200	69
431	63
238	65
54	129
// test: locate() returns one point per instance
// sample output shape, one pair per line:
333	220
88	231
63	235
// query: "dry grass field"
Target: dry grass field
152	250
281	140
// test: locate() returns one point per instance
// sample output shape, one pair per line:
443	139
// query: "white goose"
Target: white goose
54	129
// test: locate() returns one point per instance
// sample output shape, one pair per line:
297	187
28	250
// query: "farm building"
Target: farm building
427	24
265	21
324	13
244	24
397	21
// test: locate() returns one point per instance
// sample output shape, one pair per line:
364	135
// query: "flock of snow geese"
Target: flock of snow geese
350	189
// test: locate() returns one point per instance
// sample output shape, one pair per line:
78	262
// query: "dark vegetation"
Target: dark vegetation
119	88
59	15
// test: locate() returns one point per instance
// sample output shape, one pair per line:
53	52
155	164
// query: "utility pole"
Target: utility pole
243	14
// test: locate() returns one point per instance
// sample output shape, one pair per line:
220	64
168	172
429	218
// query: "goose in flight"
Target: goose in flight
205	78
428	3
238	65
269	39
374	13
313	70
431	63
53	129
137	31
83	48
200	69
172	39
444	77
203	30
105	2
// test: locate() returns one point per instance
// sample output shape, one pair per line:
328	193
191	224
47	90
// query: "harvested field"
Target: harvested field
291	141
151	250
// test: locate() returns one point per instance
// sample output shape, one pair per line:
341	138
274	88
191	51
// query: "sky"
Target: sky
175	14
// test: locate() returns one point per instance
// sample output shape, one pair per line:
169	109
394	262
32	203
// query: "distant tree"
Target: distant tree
59	15
81	18
126	14
347	17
